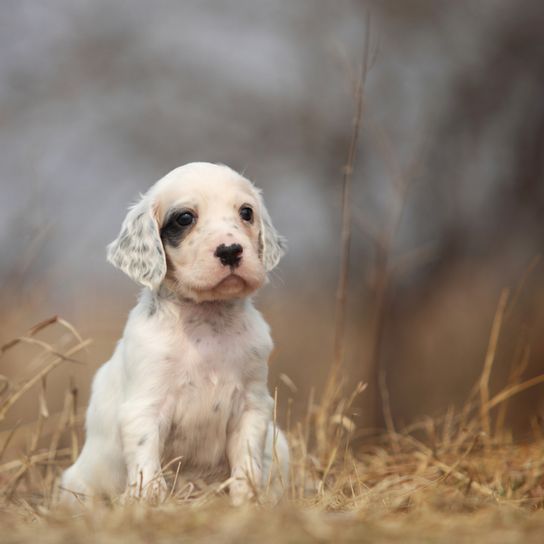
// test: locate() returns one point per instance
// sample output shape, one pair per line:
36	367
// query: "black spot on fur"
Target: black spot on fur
255	353
142	440
152	308
216	406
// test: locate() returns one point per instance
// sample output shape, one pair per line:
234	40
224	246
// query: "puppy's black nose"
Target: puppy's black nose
229	255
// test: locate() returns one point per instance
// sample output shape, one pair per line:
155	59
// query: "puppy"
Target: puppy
188	379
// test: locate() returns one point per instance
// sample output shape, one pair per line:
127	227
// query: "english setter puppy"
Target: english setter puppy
188	379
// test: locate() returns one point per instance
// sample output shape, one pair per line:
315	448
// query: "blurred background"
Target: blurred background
100	99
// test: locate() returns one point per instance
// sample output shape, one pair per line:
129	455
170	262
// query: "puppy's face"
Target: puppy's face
204	231
210	229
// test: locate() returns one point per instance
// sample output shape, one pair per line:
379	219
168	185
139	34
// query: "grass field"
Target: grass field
459	478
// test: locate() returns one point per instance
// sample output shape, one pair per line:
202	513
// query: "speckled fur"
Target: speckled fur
188	379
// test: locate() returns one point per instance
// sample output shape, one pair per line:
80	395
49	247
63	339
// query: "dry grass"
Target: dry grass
439	480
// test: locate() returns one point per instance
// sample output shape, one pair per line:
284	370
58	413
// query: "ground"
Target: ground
457	478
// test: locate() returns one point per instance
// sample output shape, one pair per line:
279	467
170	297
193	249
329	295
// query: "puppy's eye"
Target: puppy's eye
246	213
185	219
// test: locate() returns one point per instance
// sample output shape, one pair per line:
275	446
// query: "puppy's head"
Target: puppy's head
203	230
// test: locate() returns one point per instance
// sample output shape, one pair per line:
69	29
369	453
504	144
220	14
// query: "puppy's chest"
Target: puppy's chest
205	384
206	394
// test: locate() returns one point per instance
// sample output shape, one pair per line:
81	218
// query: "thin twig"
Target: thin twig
342	286
12	399
514	390
488	363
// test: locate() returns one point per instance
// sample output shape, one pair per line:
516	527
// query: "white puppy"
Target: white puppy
188	379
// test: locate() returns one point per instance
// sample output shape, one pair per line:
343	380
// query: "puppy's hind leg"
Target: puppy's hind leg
100	468
99	471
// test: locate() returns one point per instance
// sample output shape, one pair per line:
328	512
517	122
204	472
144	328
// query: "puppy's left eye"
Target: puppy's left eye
246	213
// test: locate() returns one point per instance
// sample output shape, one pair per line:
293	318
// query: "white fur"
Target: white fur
188	379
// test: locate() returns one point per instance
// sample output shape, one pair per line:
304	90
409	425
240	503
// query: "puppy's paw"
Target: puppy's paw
240	491
156	490
153	490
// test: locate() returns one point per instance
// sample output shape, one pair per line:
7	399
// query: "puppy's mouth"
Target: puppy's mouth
232	282
228	284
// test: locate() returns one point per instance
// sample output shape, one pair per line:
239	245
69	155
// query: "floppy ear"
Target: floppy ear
272	245
138	251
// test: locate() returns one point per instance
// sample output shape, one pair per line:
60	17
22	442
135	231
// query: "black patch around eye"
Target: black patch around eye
176	226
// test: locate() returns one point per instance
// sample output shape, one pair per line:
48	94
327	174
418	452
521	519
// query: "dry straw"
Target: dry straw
446	467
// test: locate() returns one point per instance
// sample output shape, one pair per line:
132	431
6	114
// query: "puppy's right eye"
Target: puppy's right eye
185	219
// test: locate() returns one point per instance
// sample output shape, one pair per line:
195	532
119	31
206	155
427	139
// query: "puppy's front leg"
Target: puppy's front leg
141	447
245	450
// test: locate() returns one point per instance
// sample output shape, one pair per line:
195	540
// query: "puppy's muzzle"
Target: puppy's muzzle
229	255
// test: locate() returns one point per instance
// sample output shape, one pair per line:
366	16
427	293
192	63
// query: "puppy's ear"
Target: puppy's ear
138	250
271	244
